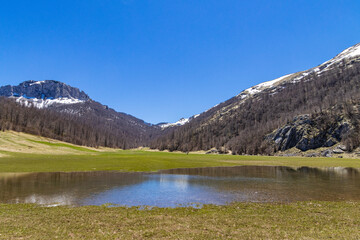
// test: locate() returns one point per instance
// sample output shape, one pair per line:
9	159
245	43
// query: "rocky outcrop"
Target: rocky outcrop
306	133
48	89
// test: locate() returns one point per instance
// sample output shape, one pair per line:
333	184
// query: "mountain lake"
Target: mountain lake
182	187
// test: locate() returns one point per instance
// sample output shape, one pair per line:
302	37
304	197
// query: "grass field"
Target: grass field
89	160
21	152
302	220
17	142
150	161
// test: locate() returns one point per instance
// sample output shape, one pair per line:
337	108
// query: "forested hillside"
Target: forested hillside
242	123
56	110
90	130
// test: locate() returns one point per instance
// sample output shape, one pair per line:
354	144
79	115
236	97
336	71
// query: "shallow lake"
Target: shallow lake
186	187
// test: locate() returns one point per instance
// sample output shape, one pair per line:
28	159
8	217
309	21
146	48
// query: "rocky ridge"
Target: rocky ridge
48	89
306	132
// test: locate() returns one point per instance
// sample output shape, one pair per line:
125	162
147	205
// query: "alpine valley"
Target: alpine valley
309	110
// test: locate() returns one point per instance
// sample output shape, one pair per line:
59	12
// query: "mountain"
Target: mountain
248	122
44	93
96	124
316	108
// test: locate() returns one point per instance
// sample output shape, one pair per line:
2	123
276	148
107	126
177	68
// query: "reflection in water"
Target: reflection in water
61	188
175	187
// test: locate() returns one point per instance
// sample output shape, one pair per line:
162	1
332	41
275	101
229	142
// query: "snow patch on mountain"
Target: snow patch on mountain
181	122
351	52
260	87
44	103
37	82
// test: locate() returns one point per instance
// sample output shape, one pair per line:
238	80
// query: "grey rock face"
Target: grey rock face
48	89
305	133
330	142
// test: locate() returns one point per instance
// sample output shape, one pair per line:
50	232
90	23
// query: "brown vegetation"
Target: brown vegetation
242	130
90	129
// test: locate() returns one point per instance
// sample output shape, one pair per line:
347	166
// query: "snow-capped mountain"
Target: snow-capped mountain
59	97
42	94
351	52
277	85
241	123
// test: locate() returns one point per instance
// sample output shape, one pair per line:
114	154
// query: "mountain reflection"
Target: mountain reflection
61	188
167	188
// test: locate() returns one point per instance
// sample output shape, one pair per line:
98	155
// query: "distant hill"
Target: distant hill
54	109
264	119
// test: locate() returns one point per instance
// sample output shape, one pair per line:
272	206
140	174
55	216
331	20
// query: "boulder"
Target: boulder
338	151
326	153
342	147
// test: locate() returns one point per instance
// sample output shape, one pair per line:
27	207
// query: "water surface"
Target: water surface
170	188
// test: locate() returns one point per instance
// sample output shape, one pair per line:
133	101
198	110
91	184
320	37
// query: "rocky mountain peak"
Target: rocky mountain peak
47	89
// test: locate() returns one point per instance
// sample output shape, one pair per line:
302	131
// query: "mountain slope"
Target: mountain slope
242	122
75	116
11	141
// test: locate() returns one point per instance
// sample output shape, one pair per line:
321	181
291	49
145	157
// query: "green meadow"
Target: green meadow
299	220
20	152
135	160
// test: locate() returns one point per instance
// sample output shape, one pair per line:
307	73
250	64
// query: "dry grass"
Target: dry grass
303	220
11	141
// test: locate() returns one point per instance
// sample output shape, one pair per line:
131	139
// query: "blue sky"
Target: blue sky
161	60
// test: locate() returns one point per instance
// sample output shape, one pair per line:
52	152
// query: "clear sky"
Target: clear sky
161	60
